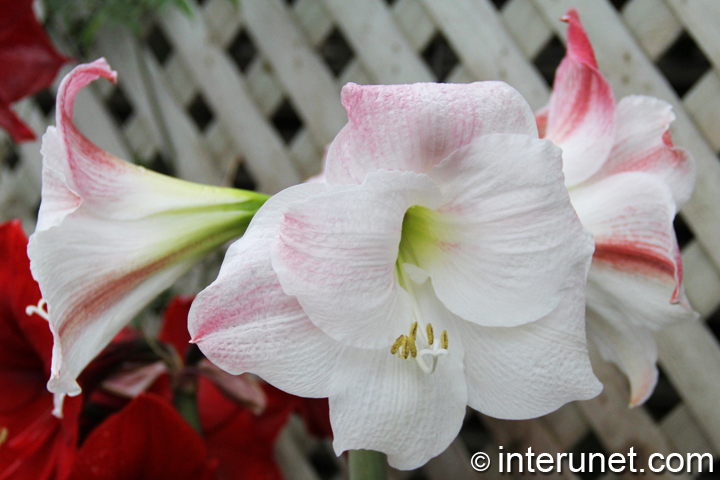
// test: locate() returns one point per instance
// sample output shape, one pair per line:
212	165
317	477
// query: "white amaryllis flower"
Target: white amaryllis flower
626	181
440	266
111	235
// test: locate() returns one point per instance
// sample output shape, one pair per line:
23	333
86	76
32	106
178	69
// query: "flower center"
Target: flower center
406	346
419	235
417	241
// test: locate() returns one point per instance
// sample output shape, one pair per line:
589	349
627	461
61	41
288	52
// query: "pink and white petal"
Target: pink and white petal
108	186
388	404
97	274
244	322
414	127
630	215
337	253
533	369
541	118
643	144
636	297
581	113
507	240
58	200
632	348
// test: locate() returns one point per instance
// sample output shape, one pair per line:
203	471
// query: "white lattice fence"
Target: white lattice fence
249	94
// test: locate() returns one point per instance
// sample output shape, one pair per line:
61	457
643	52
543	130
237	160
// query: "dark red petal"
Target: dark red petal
241	441
40	446
147	440
25	340
29	62
14	125
315	412
174	330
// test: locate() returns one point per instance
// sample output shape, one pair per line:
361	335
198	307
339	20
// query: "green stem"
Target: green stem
186	401
367	465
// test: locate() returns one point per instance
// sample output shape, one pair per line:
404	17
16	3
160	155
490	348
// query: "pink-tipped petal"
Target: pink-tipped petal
507	240
635	282
541	118
630	215
414	127
533	369
643	144
244	322
581	114
578	43
623	309
337	254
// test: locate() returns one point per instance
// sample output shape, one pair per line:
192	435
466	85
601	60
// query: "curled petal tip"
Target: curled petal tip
578	44
571	15
74	81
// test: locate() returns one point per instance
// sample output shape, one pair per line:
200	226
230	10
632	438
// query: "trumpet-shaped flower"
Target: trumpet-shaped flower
111	235
627	181
440	266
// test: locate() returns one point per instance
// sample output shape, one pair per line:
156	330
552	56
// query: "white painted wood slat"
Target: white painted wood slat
267	158
303	74
476	33
377	40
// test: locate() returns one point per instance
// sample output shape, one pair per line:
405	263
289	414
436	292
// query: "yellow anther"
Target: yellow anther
3	435
430	334
444	340
405	349
412	347
397	344
412	338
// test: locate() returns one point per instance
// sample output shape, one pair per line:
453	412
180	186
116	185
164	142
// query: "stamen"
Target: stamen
430	334
407	346
412	339
413	349
39	309
396	345
3	435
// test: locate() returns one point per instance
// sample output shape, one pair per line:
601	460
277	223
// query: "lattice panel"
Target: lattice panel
250	97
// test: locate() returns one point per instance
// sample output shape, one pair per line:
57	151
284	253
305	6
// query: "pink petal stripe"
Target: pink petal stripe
642	258
578	43
581	114
643	144
75	81
414	127
85	159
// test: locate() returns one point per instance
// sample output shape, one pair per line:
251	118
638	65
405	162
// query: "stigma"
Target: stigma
40	309
406	346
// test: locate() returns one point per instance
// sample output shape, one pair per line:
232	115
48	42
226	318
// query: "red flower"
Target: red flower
237	435
29	62
37	446
147	439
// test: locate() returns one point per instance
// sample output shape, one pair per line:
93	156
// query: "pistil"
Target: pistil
40	309
406	346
